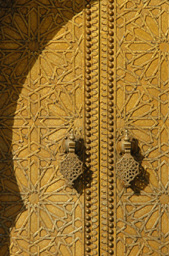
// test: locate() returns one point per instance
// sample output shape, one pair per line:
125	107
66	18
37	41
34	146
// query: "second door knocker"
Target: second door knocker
127	167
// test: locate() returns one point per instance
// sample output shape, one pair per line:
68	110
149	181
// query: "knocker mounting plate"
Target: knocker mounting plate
71	167
127	167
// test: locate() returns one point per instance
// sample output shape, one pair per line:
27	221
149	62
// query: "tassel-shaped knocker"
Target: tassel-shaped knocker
127	168
71	167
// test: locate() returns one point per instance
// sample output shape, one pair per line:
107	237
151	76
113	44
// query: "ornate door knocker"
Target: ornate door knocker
71	167
127	168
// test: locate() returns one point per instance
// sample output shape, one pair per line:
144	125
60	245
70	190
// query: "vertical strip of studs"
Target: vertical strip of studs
91	128
103	128
111	134
107	127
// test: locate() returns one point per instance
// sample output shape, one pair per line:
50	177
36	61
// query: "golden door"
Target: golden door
97	68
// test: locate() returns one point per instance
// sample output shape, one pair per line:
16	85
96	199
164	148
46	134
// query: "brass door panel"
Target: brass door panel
41	101
98	67
142	212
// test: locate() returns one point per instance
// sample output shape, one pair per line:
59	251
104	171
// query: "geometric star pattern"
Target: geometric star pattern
142	75
41	81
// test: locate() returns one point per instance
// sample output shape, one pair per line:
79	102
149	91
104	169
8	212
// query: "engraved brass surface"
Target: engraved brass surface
71	167
41	100
127	167
96	67
141	73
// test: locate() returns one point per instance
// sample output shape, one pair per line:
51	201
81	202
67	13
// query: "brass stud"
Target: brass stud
111	6
111	219
111	72
88	38
88	127
88	242
111	238
88	51
88	205
88	6
88	31
110	161
88	109
111	181
111	32
88	147
88	45
88	249
111	97
88	134
111	65
110	136
88	153
88	198
111	110
88	77
111	58
88	18
88	95
111	167
111	90
88	115
88	141
88	211
110	78
111	13
88	185
111	206
111	122
111	25
110	129
88	83
88	102
88	25
111	225
87	224
88	236
111	174
111	186
88	57
111	212
88	12
88	166
111	251
88	217
111	52
111	143
111	39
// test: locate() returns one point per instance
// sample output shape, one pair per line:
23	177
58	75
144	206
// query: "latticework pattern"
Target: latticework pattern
127	169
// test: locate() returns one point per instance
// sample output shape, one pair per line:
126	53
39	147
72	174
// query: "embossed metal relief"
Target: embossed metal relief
41	81
127	167
142	107
71	166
